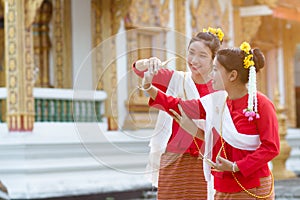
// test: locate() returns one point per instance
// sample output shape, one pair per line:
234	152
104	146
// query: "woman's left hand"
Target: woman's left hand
184	121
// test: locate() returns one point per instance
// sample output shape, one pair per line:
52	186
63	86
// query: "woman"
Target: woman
241	125
174	164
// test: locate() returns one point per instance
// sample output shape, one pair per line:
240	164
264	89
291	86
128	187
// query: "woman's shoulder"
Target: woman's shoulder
263	100
262	96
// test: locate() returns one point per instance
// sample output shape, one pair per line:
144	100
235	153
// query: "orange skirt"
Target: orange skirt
263	190
181	177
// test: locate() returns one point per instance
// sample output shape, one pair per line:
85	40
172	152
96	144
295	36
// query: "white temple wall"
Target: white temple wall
82	42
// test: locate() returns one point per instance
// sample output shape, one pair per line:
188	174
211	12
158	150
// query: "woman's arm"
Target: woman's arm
161	77
171	105
267	127
154	62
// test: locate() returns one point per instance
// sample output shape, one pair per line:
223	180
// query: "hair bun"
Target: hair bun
258	58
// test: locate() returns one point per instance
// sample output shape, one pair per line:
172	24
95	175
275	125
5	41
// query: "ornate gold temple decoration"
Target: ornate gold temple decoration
164	13
143	41
42	43
147	14
279	168
180	35
119	10
205	14
139	14
19	71
58	41
262	38
2	48
2	61
107	14
96	40
245	28
250	26
32	7
62	43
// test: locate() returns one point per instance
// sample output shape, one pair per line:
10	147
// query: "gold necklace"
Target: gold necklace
200	154
235	178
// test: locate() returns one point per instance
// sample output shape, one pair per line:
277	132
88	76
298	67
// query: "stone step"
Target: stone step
58	160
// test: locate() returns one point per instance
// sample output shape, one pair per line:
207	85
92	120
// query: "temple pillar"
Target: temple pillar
96	40
180	34
19	67
108	77
42	44
62	44
279	168
2	61
107	14
289	40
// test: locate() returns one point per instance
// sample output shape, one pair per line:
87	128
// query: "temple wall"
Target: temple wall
81	21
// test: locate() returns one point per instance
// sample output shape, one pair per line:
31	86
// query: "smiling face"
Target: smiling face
219	76
199	59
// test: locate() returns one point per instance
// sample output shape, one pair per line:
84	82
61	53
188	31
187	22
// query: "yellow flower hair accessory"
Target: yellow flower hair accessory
245	46
251	111
215	31
248	60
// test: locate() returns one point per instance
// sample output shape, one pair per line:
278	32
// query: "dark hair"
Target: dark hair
233	59
209	39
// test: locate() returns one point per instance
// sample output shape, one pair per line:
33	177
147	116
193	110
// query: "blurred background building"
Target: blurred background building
73	122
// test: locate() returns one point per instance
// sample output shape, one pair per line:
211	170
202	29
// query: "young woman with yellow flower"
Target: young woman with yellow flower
239	142
174	165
